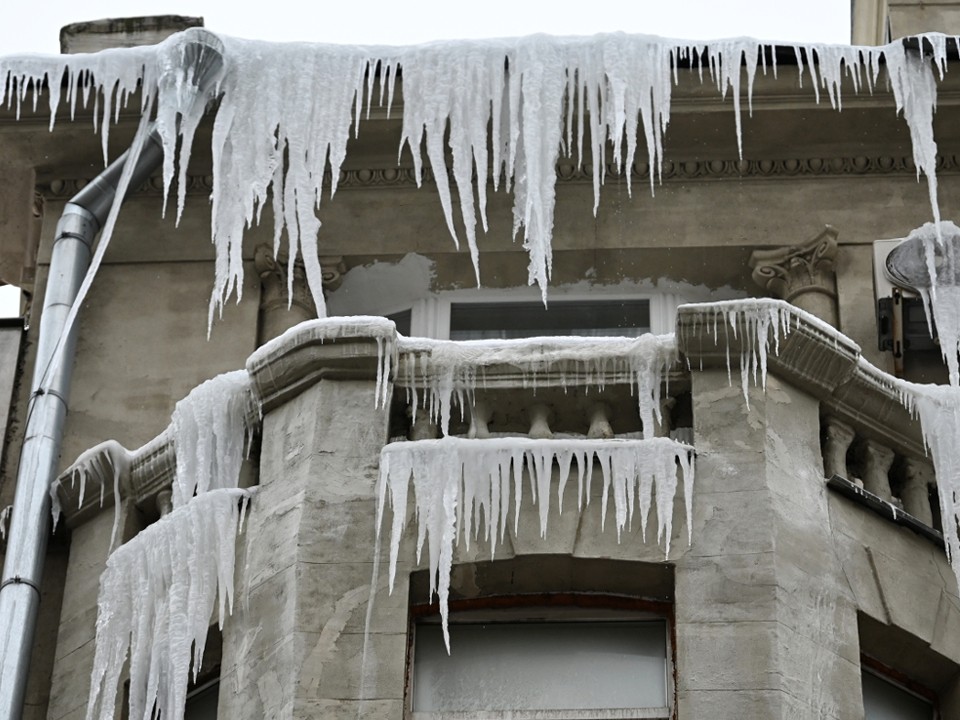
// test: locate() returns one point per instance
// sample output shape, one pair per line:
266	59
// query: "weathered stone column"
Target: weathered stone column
726	589
802	274
294	647
278	311
766	620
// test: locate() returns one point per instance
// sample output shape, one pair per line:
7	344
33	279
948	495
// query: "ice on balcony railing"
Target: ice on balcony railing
452	371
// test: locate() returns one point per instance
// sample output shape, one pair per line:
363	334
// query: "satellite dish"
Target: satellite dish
906	265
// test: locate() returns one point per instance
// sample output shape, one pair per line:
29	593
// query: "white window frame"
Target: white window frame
551	615
430	317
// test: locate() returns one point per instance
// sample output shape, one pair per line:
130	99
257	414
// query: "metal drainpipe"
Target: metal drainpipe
82	219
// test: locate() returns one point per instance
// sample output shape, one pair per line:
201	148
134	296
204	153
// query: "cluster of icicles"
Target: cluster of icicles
938	406
451	371
505	108
761	321
463	485
159	590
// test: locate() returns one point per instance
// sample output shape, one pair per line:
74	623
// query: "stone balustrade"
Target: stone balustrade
904	482
579	412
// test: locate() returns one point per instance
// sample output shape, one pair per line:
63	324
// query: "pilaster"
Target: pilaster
295	645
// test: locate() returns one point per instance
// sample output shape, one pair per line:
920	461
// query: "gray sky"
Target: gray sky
35	27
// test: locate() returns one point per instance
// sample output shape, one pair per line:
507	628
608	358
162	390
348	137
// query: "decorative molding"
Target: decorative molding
918	476
875	460
569	171
274	274
802	274
790	271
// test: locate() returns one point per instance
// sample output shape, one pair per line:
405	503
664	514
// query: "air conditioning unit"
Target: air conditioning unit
902	324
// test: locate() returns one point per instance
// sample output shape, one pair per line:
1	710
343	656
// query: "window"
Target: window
519	312
533	661
884	699
593	318
202	702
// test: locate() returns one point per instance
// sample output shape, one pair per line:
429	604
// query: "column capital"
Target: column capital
801	274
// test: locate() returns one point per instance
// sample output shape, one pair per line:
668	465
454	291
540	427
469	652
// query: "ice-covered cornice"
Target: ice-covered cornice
505	110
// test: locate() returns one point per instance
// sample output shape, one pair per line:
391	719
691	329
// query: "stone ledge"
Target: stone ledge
338	348
813	356
351	348
883	508
138	474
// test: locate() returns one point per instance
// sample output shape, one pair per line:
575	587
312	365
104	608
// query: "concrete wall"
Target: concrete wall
909	17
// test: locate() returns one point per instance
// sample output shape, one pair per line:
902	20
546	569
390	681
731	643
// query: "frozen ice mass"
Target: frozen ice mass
157	595
286	112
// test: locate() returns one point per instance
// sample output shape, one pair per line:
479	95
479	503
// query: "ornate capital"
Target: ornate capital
285	302
333	267
802	274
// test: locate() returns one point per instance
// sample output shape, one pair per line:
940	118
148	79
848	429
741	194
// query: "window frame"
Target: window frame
430	316
550	607
901	681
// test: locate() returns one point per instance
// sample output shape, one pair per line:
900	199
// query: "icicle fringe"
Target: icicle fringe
286	113
212	428
157	595
463	488
451	371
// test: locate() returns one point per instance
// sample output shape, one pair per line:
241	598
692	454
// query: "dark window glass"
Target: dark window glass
882	700
480	321
202	703
402	321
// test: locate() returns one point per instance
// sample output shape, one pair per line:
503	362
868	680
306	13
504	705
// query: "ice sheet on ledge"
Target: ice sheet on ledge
157	595
109	459
210	431
286	113
380	329
764	320
464	487
452	370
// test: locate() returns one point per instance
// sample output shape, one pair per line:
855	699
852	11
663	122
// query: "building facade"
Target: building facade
808	579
